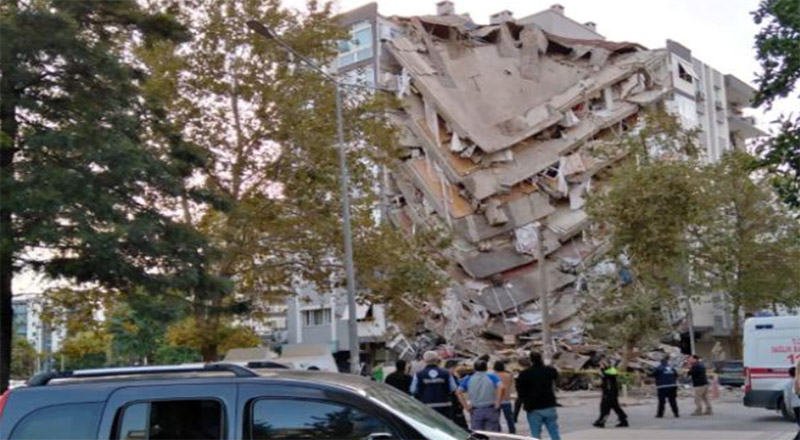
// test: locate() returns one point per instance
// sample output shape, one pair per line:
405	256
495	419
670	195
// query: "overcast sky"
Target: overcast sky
719	32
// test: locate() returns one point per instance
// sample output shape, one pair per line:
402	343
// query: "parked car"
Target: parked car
730	373
217	401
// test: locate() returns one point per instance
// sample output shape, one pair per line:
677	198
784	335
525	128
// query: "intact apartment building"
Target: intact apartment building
322	318
28	325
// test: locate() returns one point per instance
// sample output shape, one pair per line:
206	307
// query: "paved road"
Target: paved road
731	421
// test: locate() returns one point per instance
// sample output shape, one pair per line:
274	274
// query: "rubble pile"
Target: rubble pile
504	128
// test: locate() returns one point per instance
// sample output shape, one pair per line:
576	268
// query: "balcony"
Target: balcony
744	126
738	92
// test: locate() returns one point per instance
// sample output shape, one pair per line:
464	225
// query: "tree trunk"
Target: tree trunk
209	352
627	351
736	337
9	96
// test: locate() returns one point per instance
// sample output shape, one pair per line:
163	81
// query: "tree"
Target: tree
745	246
138	327
87	160
86	349
187	333
644	212
23	359
778	46
267	127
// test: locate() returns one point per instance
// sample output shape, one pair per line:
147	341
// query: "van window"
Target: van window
307	419
172	419
74	421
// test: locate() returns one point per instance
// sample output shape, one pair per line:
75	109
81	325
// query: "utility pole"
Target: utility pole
352	323
690	319
547	337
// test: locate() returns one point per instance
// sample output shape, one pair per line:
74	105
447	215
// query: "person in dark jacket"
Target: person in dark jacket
667	386
523	363
536	387
458	409
610	398
434	386
697	371
400	379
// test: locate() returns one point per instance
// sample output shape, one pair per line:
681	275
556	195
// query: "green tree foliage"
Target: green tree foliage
139	324
686	229
778	45
267	127
23	359
110	328
87	160
187	333
644	210
745	246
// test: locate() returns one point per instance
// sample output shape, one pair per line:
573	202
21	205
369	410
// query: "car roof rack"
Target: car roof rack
42	379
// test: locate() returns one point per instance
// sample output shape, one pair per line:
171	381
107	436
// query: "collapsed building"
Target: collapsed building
504	129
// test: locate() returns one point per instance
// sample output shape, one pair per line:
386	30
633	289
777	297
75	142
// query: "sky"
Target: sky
718	32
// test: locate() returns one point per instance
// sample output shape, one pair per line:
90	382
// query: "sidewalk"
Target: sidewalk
658	434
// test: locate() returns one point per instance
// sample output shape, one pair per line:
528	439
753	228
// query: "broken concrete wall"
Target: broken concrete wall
507	126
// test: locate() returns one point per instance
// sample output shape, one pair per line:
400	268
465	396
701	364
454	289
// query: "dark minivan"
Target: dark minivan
215	402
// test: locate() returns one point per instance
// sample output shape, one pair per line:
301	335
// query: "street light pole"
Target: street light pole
352	323
547	337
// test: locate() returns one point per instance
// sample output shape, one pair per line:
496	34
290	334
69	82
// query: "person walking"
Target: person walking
505	403
667	385
699	375
536	387
399	378
791	395
434	386
459	418
610	398
481	394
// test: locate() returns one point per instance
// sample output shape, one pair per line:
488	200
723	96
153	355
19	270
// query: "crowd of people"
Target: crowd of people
486	395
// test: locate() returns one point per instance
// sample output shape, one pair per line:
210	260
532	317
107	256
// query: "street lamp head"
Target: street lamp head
261	29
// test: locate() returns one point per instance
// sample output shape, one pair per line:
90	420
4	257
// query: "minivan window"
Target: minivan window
172	419
309	419
74	421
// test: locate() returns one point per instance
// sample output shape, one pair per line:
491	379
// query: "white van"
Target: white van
771	347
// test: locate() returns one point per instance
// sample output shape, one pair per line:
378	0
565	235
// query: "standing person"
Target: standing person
610	398
505	403
434	386
791	395
667	386
523	364
458	409
697	371
536	387
399	378
481	394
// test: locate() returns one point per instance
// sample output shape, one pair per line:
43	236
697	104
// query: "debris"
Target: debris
502	127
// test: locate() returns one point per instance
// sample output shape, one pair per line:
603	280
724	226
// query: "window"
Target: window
306	419
359	47
683	74
62	422
316	317
172	419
